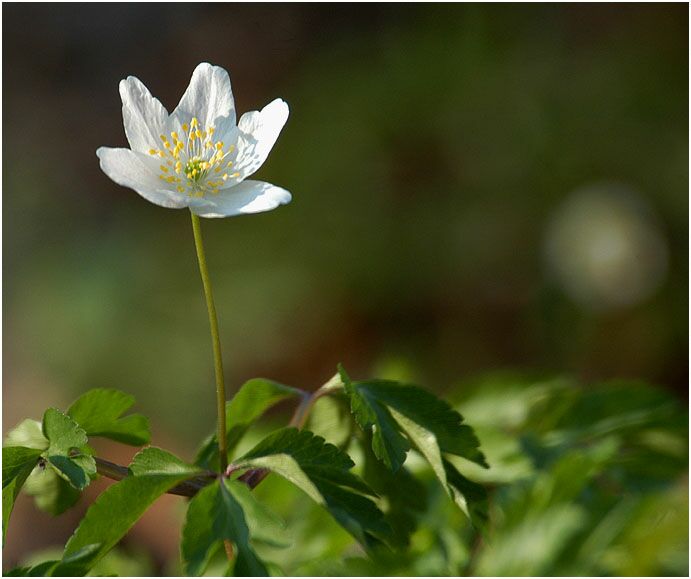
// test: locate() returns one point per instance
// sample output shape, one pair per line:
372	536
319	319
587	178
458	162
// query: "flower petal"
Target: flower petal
257	134
144	116
209	98
246	197
135	170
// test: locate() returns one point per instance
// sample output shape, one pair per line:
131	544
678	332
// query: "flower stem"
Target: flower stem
216	343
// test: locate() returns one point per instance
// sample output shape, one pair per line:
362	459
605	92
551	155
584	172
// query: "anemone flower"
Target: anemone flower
198	156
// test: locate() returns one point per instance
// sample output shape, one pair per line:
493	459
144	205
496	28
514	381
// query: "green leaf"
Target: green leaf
17	464
322	471
75	565
405	496
251	401
68	452
470	496
99	412
387	409
154	472
265	525
215	515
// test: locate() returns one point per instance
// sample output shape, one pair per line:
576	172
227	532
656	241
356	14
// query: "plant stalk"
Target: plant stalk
215	341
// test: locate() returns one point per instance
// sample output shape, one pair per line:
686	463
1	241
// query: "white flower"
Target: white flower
197	157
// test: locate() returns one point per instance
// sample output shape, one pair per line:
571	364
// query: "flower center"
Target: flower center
197	163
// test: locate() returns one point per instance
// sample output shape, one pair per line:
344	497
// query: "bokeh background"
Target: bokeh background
475	187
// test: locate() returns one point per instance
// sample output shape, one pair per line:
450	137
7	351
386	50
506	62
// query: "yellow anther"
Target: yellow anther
231	148
152	151
217	170
235	174
195	122
161	154
185	127
161	177
230	164
198	134
219	145
203	134
211	130
181	188
163	138
164	168
174	135
170	179
225	176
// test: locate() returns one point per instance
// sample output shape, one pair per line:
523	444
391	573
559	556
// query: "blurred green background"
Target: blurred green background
474	187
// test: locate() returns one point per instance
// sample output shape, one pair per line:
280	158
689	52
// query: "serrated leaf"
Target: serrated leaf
322	471
63	433
154	472
99	412
254	398
372	404
17	464
215	515
68	453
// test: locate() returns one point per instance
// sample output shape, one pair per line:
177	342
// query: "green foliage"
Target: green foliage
153	473
67	451
254	398
398	416
215	515
581	479
17	464
322	471
99	413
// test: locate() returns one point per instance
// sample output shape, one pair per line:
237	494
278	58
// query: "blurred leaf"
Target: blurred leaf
530	548
406	497
52	493
17	464
154	472
27	433
99	413
322	471
251	401
75	565
215	515
330	418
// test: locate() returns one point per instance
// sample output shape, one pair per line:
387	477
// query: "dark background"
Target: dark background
474	187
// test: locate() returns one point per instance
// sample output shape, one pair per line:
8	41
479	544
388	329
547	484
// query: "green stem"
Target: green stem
216	343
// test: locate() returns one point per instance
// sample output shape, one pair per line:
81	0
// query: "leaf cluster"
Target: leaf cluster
377	502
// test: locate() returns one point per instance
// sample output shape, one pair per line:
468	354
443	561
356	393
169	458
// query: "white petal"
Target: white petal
209	98
258	132
144	116
136	171
246	197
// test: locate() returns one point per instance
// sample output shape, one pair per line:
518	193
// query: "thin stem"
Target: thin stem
216	343
186	489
